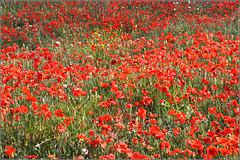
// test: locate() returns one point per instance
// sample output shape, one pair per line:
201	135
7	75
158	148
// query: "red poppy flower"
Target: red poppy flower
31	157
142	113
104	85
25	90
113	62
212	110
61	128
122	147
90	112
10	150
214	87
137	155
190	152
52	157
129	105
157	155
205	81
146	100
94	89
23	109
67	121
31	98
164	145
81	136
179	151
154	130
234	102
145	92
212	151
175	132
58	113
110	156
207	140
160	135
79	157
225	151
91	132
83	93
137	104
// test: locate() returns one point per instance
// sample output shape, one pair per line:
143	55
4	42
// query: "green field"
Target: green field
120	80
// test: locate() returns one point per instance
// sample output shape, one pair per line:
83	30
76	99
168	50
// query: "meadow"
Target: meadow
120	80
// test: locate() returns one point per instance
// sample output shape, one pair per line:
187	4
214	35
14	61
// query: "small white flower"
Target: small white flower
108	49
84	151
99	35
90	56
112	134
65	86
38	145
189	2
189	6
176	2
108	45
30	25
57	42
197	8
174	9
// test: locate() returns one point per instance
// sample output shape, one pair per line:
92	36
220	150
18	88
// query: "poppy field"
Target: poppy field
120	80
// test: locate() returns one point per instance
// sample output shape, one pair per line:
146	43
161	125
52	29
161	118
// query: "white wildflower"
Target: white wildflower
84	151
